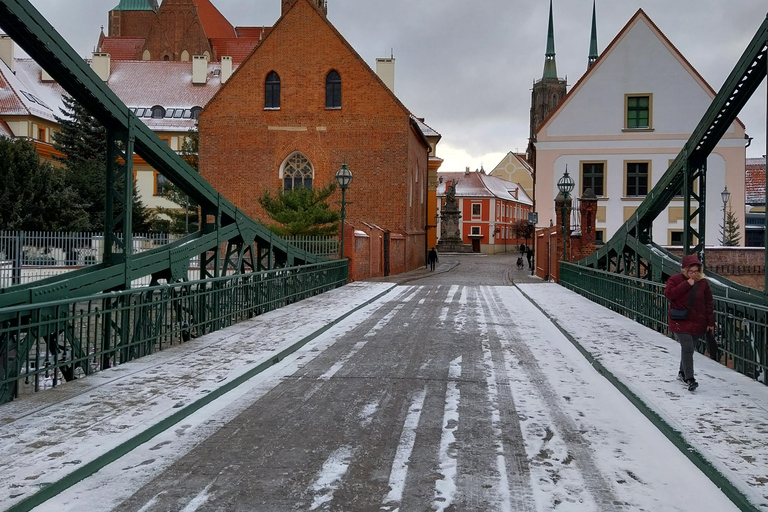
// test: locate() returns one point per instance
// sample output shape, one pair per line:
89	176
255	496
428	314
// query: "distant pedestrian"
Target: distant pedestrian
529	256
432	259
691	313
522	249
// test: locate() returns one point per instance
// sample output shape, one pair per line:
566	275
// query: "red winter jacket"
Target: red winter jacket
702	312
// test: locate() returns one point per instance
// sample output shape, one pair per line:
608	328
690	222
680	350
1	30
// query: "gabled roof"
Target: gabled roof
122	48
23	93
5	131
214	23
480	185
427	130
639	15
343	41
257	32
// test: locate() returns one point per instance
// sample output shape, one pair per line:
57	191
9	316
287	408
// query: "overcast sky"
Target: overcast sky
467	66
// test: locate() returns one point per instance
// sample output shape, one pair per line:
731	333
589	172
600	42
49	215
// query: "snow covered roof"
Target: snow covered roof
754	181
480	185
427	130
23	92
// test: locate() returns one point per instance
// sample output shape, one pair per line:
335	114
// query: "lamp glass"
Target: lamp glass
725	195
566	183
344	176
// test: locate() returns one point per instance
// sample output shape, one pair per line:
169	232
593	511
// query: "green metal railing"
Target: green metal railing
42	345
741	327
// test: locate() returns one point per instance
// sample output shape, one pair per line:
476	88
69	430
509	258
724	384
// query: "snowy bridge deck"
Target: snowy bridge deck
148	414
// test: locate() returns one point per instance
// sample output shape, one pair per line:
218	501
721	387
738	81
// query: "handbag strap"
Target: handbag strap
692	295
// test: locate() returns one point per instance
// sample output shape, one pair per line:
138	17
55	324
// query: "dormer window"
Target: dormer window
333	90
272	91
196	112
158	112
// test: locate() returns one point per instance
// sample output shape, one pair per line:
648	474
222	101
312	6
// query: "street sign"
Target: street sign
533	218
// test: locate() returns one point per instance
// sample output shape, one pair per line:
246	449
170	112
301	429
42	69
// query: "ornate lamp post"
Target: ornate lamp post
725	196
343	178
565	185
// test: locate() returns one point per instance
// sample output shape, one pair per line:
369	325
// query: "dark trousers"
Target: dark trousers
687	346
432	265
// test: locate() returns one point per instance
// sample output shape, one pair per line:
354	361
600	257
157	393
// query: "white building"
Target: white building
622	124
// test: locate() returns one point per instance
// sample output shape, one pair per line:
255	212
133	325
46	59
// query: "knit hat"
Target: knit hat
691	259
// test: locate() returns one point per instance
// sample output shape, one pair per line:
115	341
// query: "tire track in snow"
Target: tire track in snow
445	487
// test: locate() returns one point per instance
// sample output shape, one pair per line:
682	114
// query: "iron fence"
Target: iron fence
327	246
741	328
27	256
46	344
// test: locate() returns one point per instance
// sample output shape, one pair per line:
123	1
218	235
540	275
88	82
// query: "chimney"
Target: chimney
199	69
385	68
226	69
101	65
466	171
6	52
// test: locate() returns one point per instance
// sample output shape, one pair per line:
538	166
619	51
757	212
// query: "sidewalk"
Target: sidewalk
53	437
725	420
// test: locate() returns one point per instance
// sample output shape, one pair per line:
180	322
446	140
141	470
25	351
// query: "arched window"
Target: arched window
166	58
297	172
554	100
146	55
272	91
333	90
185	56
196	112
158	112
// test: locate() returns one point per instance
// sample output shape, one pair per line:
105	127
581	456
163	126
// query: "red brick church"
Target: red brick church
299	105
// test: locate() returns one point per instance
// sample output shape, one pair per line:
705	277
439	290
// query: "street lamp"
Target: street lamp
565	185
343	178
725	196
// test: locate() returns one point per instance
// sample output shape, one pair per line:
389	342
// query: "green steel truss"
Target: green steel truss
248	245
631	251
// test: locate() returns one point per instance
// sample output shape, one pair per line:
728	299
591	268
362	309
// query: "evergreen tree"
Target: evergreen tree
732	235
83	141
33	194
301	211
185	220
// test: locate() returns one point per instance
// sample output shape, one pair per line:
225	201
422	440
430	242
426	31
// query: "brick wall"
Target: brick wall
744	265
131	24
242	145
177	28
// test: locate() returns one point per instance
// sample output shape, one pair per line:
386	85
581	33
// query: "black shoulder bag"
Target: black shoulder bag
682	314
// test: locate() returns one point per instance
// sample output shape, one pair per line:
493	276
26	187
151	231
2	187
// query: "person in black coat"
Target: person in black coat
432	259
700	316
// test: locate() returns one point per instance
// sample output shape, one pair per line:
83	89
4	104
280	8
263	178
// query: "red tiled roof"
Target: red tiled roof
257	32
214	23
10	103
122	48
239	48
754	181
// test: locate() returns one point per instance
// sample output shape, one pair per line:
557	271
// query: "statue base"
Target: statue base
444	246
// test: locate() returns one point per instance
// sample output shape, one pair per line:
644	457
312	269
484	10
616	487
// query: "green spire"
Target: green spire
136	5
593	40
550	68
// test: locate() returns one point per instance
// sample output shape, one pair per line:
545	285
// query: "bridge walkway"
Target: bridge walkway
150	423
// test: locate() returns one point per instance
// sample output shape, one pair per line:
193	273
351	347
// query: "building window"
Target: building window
593	176
161	185
476	210
196	112
600	236
272	91
158	112
475	230
637	178
41	133
638	112
676	238
333	90
297	172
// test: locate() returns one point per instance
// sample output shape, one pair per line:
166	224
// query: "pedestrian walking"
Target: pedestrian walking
432	259
691	313
522	249
529	256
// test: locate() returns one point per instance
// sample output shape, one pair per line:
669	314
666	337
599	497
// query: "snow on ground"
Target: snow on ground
116	405
726	419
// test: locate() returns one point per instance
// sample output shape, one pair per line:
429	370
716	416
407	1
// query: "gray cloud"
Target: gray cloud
467	65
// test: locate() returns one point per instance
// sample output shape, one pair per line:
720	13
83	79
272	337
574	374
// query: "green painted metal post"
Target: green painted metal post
127	186
702	213
765	215
109	208
343	216
687	206
566	196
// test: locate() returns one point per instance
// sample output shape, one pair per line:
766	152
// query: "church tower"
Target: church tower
320	5
546	95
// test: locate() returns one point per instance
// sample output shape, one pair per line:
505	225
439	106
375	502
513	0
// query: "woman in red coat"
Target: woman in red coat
700	318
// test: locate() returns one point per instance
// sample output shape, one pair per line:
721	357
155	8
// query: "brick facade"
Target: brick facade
175	29
243	145
131	24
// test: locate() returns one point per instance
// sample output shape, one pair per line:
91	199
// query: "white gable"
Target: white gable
640	62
